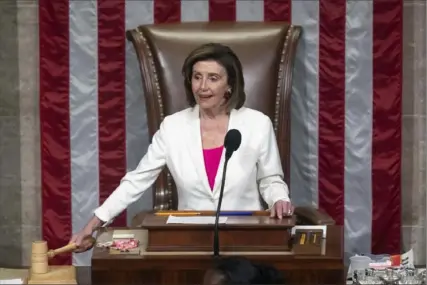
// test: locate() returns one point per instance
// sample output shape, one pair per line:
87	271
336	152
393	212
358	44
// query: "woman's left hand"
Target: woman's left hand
282	209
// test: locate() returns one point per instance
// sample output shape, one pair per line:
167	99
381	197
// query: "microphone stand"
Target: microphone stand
218	210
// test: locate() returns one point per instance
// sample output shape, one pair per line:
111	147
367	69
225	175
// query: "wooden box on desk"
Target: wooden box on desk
238	233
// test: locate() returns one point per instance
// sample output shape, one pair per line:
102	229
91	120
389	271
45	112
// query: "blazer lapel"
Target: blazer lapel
195	148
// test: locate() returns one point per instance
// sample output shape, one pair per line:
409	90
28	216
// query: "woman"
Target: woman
241	271
190	144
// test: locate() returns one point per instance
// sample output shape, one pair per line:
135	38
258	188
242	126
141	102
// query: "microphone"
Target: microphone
232	141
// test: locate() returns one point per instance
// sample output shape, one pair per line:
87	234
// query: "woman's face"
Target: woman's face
209	84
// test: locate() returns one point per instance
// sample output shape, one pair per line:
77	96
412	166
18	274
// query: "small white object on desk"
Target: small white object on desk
122	235
195	220
12	281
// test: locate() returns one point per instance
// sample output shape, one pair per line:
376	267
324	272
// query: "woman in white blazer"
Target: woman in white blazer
190	144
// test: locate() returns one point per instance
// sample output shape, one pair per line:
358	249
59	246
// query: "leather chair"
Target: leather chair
267	52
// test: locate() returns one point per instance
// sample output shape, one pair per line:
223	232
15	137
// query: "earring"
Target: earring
227	94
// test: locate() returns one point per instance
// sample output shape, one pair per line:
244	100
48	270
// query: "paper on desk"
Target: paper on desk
12	281
195	220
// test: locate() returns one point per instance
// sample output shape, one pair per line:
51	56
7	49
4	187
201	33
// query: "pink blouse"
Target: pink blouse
212	158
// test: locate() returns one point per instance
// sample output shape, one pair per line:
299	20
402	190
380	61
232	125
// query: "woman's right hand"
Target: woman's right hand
84	239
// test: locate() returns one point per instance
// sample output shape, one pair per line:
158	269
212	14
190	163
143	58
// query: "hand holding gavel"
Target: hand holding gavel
71	247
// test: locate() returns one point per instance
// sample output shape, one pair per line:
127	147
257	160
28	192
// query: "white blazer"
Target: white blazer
253	169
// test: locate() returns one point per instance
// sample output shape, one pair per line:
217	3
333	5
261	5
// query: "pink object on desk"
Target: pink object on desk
212	158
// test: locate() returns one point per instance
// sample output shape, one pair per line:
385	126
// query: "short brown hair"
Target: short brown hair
228	59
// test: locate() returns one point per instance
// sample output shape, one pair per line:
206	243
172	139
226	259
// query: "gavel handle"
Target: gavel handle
69	247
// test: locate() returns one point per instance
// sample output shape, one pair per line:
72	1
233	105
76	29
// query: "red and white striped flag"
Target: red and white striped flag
346	108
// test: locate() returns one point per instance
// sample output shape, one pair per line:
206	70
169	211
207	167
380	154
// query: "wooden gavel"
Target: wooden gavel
69	247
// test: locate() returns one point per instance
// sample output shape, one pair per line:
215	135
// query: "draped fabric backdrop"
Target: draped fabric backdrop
346	108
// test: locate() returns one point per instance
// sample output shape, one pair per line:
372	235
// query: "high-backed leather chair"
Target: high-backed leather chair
267	52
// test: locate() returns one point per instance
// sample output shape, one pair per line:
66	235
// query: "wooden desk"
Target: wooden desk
173	268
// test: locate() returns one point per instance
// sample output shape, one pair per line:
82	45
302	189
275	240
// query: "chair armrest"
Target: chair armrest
312	216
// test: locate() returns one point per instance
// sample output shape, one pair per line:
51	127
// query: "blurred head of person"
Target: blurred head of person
239	270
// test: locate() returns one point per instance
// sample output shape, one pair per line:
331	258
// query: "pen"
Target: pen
237	213
177	214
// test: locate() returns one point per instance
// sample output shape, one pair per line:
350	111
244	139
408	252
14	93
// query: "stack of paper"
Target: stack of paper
195	220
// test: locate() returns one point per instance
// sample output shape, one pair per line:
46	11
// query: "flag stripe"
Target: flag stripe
277	10
387	116
83	115
194	11
222	10
111	98
249	10
167	11
358	127
332	107
304	106
54	124
137	136
138	13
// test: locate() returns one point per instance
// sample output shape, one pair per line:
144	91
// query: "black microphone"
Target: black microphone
232	141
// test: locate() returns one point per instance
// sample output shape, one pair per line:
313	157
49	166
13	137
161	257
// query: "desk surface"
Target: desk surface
153	221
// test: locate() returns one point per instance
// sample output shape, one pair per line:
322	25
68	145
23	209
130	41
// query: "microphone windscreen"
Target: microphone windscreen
232	140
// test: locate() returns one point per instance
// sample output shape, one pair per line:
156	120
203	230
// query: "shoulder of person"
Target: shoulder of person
176	119
254	117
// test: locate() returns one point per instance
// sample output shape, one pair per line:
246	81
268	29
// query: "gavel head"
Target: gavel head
39	258
39	247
